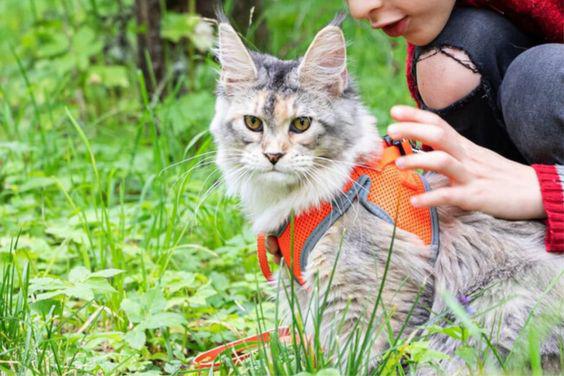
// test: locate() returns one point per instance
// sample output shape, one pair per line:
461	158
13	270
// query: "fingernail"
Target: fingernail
414	201
393	130
400	162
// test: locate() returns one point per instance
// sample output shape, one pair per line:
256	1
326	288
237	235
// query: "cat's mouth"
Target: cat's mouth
275	172
279	177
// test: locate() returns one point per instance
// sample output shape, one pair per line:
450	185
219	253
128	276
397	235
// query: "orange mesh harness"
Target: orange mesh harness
381	188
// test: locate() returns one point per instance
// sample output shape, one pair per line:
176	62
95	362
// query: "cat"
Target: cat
288	132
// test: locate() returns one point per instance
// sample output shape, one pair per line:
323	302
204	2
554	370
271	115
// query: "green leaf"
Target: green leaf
98	285
163	320
85	44
421	353
154	301
64	230
199	299
135	338
49	295
78	274
132	309
176	26
36	245
456	331
80	292
45	306
174	281
468	354
36	183
106	273
183	116
108	75
57	44
46	283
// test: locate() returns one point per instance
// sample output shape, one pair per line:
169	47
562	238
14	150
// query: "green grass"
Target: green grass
119	250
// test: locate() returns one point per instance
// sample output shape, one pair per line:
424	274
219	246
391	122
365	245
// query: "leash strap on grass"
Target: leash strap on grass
239	350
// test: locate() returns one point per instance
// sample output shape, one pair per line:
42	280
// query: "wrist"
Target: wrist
534	194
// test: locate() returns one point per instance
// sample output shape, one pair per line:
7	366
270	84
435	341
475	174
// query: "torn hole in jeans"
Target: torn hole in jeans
444	50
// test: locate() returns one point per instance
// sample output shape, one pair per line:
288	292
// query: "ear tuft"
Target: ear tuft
237	66
324	65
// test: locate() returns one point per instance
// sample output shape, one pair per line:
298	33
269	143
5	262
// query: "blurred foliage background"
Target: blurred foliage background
119	251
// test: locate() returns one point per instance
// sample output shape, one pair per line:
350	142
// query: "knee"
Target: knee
534	81
445	76
532	103
472	38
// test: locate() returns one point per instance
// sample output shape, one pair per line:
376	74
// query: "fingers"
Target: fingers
273	249
439	138
438	197
406	114
438	161
412	114
429	128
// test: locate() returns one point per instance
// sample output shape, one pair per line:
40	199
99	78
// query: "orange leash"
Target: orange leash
239	350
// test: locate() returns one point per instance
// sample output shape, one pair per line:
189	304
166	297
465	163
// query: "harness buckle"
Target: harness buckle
405	146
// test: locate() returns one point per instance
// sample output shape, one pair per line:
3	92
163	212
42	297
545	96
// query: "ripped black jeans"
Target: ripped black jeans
517	110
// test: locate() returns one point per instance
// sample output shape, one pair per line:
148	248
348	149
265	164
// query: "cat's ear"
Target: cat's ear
324	65
237	66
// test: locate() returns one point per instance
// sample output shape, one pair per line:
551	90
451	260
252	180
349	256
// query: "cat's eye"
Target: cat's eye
300	124
253	123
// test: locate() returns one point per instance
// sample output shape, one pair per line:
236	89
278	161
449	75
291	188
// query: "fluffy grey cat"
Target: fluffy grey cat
288	134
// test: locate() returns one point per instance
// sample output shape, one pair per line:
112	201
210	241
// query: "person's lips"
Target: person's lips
396	28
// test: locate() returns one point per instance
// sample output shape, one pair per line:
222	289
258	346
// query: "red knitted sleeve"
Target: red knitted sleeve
551	180
542	18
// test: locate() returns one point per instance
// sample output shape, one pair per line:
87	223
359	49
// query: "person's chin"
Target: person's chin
417	37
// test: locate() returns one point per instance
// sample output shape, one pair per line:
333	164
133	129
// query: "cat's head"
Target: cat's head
285	126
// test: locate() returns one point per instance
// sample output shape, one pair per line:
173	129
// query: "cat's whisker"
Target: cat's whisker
239	175
184	177
176	164
205	196
341	172
347	163
321	184
200	164
209	160
324	184
345	173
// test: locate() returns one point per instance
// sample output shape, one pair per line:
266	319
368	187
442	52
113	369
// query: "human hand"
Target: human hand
480	179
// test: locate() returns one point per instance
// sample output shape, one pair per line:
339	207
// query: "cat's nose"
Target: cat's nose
273	157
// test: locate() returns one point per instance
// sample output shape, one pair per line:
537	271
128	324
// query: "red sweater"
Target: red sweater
544	19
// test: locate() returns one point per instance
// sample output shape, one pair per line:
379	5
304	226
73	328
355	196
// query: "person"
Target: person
491	70
488	78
